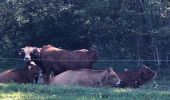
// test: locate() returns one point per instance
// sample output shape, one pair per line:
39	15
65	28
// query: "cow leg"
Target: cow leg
56	71
46	76
36	80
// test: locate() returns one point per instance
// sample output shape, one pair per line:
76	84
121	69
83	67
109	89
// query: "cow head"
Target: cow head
146	73
30	53
93	54
112	78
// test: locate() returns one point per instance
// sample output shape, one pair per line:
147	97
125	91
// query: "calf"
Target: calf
87	77
24	75
136	78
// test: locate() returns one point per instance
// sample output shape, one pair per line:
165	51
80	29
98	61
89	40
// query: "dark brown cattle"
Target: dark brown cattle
87	77
24	75
136	78
59	60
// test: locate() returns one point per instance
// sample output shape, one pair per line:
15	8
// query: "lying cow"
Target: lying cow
24	75
59	60
87	77
136	78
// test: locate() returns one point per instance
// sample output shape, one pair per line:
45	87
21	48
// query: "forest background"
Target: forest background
127	33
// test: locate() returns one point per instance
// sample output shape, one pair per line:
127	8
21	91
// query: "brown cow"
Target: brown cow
87	77
24	75
136	78
59	60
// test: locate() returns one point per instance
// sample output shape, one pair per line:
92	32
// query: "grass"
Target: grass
155	90
44	92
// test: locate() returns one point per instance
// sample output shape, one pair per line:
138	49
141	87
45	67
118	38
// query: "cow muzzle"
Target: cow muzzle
27	59
119	84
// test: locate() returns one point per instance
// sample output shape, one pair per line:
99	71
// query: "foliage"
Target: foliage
120	29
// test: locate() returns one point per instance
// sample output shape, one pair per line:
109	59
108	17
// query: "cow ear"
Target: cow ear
144	66
94	51
142	71
21	51
36	52
110	69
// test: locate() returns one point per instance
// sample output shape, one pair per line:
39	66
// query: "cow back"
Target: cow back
61	60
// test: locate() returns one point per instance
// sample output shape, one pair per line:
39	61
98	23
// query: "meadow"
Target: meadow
153	90
157	89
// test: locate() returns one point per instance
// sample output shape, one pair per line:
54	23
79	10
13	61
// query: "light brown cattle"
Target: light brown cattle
87	77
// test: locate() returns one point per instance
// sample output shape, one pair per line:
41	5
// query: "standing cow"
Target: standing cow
59	60
136	78
87	77
24	75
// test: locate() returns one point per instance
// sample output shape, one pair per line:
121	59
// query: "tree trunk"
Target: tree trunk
158	58
139	50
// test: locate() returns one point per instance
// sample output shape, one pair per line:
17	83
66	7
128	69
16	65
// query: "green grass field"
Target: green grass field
159	90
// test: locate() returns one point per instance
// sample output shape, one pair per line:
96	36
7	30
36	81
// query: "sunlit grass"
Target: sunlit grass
122	90
154	90
13	95
43	92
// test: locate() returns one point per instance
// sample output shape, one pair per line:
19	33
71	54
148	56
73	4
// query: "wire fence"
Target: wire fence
102	63
100	60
